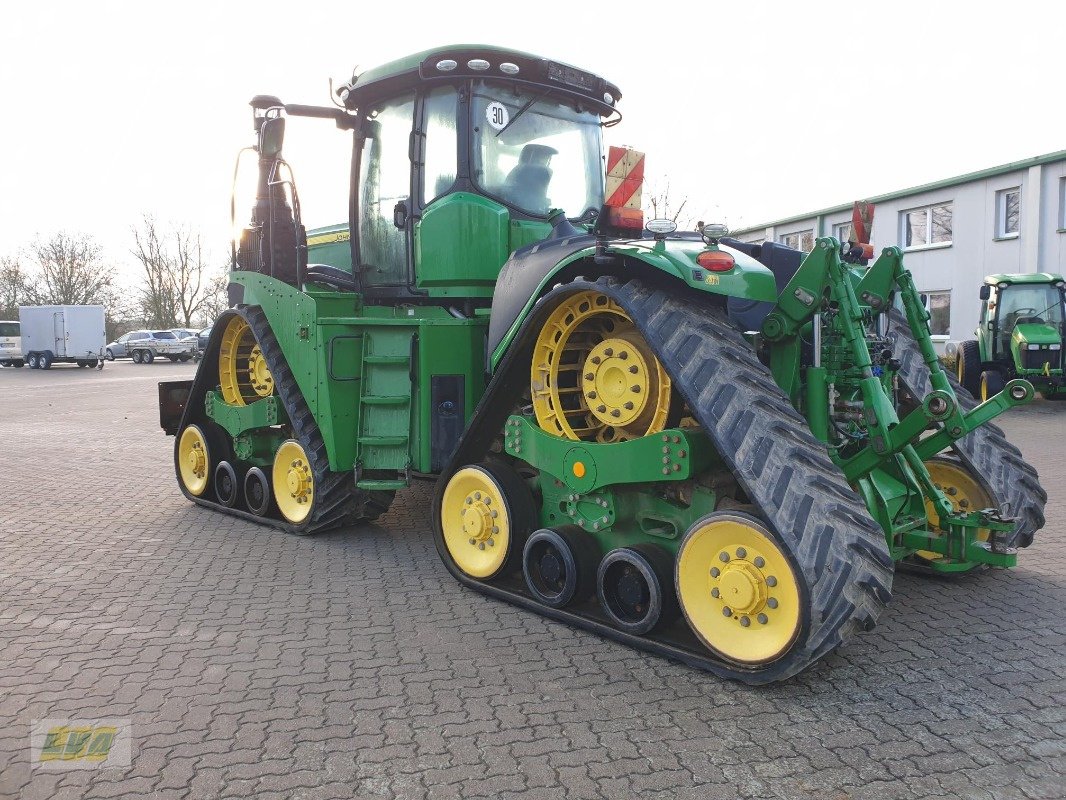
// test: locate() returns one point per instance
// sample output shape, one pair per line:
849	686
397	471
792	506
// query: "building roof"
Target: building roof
980	175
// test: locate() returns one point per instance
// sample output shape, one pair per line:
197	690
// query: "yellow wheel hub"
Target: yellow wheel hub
962	490
193	460
738	590
294	483
243	374
593	377
477	527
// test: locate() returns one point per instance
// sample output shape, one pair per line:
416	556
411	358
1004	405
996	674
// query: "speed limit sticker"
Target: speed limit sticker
497	116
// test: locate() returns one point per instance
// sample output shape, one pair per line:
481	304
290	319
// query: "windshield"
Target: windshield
1032	303
9	329
545	156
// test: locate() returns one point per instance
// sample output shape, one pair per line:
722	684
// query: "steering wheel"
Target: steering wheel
1027	314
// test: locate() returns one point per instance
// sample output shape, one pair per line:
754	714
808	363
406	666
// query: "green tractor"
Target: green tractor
1022	334
707	449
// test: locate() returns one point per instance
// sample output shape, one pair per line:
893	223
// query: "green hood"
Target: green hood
1036	333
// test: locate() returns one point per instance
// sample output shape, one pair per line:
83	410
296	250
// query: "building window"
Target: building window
800	240
1062	204
926	227
1008	212
939	306
842	232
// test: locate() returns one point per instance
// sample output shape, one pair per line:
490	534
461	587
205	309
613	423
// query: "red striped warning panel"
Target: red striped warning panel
625	177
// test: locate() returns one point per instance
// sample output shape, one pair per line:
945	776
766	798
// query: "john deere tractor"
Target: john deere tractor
712	450
1022	334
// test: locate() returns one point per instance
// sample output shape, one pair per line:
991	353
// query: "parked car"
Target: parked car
144	346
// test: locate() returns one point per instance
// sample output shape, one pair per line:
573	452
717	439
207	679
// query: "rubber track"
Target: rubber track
1013	482
840	552
337	500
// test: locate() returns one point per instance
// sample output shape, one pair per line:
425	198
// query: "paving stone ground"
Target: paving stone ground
255	664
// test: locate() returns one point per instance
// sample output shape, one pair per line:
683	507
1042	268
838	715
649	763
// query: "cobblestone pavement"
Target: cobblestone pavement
252	663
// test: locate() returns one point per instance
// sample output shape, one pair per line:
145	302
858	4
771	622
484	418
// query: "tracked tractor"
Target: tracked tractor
1021	334
711	450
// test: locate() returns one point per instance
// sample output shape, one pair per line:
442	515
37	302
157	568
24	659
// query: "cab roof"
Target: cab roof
451	62
1023	277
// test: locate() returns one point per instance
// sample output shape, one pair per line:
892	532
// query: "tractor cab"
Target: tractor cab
459	154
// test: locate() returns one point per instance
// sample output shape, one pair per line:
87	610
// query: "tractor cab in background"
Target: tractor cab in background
1021	333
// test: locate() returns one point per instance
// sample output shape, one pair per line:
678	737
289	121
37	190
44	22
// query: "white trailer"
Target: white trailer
63	334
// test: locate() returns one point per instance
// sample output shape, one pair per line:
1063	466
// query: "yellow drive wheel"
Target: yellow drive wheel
737	589
194	460
293	481
476	522
593	377
962	489
243	374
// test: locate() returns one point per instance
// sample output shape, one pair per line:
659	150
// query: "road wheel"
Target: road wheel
81	363
294	482
560	566
194	460
486	513
227	487
738	589
44	361
257	492
136	356
635	590
92	363
33	361
242	370
110	356
593	377
148	357
991	384
968	367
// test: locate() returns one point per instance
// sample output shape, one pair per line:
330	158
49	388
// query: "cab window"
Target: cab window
442	142
536	153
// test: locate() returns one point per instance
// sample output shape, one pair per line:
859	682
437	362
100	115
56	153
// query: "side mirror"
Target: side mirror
986	291
271	137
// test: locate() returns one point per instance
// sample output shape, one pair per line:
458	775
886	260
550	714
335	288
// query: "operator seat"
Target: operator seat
527	184
783	261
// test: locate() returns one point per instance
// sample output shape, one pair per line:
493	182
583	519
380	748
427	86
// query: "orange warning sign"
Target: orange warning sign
625	177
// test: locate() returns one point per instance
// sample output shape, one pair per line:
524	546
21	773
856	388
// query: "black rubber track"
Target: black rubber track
838	551
986	453
337	501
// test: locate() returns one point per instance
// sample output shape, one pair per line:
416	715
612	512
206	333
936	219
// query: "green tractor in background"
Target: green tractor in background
711	450
1021	334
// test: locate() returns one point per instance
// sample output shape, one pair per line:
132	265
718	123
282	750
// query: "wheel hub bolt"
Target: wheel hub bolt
480	545
771	580
592	395
763	619
633	369
772	602
723	557
714	591
727	611
715	572
590	376
473	541
741	552
628	406
491	543
609	352
745	622
760	562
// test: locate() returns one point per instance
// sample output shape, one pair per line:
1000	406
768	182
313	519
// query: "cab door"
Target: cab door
384	194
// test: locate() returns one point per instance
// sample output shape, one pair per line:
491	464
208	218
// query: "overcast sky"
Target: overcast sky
754	110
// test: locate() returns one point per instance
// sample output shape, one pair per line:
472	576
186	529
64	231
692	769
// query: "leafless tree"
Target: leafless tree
177	284
661	202
70	271
15	287
216	298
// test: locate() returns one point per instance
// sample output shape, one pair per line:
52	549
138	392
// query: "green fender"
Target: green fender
676	257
